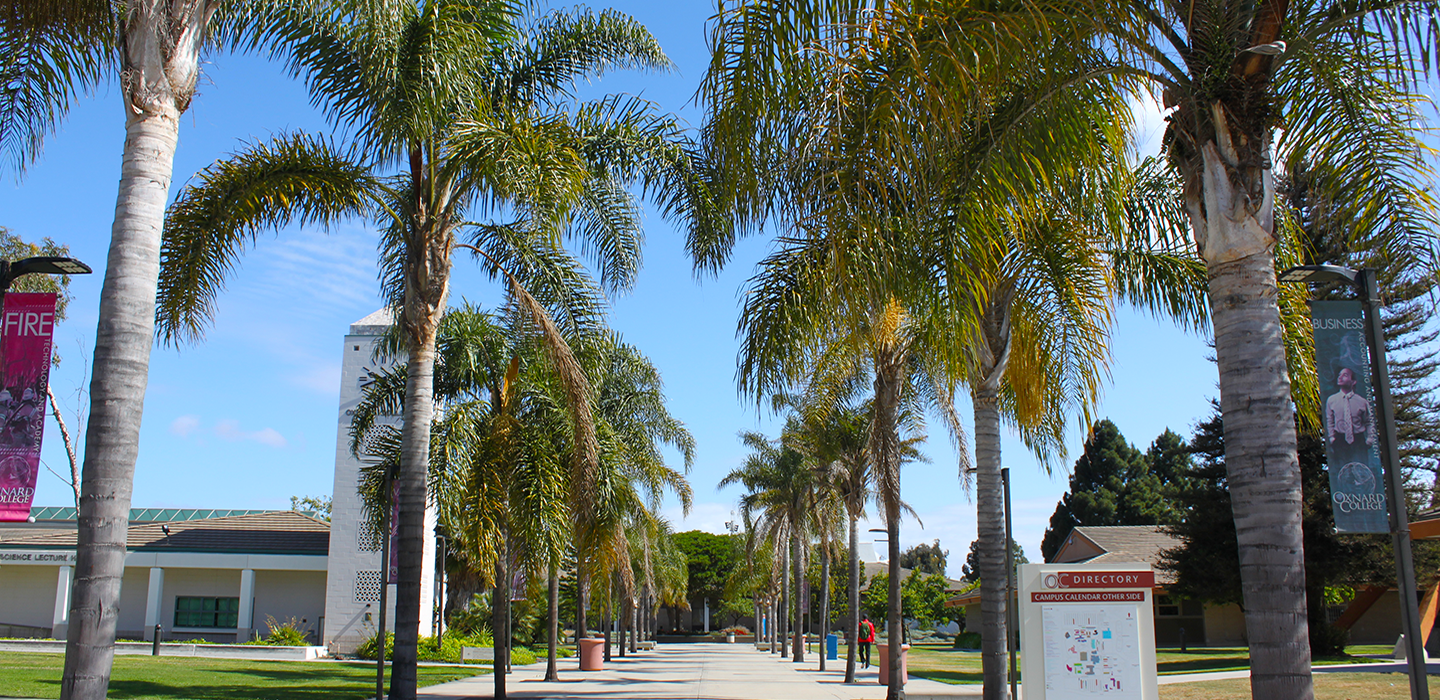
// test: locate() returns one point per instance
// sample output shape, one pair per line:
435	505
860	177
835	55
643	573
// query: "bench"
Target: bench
647	646
477	654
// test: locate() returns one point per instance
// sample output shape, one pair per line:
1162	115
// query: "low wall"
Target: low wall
255	652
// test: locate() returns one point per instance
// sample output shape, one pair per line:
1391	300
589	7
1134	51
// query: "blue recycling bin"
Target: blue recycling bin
832	646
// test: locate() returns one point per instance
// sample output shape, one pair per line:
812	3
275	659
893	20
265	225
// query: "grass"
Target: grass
1328	686
29	675
955	666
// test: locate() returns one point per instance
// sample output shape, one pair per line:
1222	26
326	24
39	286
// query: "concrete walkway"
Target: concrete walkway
694	671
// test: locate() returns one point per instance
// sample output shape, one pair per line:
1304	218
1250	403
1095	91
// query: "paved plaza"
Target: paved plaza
694	671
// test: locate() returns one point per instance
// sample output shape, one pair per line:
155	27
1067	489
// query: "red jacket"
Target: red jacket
867	631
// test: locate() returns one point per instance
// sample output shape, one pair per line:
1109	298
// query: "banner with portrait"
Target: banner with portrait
1352	450
27	324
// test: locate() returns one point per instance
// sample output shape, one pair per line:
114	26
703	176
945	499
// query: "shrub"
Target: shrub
967	640
446	650
737	629
284	634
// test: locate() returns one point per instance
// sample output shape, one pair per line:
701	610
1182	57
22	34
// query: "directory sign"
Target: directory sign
1088	632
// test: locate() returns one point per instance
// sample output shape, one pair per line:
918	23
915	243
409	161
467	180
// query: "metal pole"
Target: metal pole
440	593
1369	288
384	591
1010	600
155	645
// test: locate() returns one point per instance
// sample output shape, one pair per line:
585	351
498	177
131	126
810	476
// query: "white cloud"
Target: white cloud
709	517
184	425
229	429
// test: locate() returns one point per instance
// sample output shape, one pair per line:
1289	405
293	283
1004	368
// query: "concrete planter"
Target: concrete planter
209	651
592	654
883	661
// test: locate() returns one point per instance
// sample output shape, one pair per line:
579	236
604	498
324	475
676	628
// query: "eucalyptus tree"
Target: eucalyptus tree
474	108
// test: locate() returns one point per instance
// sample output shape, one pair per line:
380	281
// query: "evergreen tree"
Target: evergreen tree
970	571
1114	484
925	558
1207	563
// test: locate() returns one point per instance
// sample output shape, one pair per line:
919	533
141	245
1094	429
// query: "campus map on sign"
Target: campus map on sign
1091	651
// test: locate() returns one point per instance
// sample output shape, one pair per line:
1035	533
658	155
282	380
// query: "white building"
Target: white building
219	575
215	575
352	593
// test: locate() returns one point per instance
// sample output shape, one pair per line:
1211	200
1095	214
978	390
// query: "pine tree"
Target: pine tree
1115	484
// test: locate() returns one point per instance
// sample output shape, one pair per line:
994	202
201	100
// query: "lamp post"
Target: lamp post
45	265
1012	639
1367	287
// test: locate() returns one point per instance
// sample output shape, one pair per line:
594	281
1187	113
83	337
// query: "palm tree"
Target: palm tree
473	110
1341	78
778	487
52	51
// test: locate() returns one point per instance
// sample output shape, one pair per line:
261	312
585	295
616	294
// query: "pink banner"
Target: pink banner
26	326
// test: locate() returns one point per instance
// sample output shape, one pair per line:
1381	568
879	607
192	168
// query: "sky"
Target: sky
248	417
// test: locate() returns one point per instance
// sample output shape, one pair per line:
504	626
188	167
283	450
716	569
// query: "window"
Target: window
210	613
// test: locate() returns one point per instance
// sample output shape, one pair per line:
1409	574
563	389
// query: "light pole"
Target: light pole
1012	621
45	265
1367	287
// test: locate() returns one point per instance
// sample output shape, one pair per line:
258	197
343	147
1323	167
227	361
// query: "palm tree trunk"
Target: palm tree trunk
1263	472
852	630
500	621
885	443
798	634
552	669
582	601
770	614
125	334
785	607
990	512
414	464
895	636
824	601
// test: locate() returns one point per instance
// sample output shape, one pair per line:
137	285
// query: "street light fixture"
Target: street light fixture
45	265
1367	287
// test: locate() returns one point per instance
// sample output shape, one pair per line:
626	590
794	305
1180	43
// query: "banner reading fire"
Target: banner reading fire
26	326
1342	358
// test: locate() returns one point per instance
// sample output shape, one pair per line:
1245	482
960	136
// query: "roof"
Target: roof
871	568
376	323
1118	543
265	532
146	515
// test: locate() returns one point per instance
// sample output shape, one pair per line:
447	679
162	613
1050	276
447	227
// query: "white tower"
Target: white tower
352	589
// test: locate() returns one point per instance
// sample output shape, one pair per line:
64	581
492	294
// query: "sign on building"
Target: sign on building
1087	632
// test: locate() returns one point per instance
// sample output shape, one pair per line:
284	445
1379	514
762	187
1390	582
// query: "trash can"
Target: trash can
592	653
883	661
832	646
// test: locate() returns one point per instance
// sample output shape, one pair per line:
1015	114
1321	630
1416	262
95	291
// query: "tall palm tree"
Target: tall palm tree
778	486
478	115
50	51
1341	79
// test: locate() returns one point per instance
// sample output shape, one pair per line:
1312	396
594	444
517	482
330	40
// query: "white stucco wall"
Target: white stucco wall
287	594
28	594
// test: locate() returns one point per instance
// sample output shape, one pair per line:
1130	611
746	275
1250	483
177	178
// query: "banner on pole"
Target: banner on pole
1352	454
27	324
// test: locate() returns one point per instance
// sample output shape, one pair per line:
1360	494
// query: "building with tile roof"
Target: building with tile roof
214	578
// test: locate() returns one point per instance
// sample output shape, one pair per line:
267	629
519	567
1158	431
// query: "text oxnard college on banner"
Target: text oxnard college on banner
26	328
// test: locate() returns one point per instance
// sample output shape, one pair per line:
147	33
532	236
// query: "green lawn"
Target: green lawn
1328	686
171	678
953	666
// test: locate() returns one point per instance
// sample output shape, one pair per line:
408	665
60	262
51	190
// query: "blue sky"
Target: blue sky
248	417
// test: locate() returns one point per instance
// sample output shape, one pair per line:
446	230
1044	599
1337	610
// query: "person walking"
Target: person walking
867	636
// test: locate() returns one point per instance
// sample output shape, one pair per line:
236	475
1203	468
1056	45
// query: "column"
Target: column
244	627
153	601
60	624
